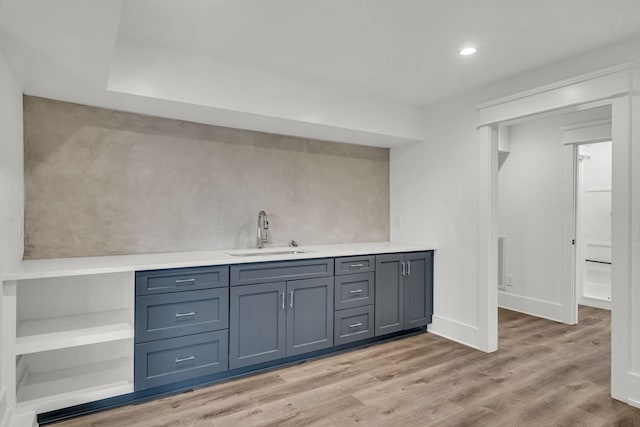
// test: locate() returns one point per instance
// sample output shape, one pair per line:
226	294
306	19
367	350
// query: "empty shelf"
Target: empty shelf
45	391
71	331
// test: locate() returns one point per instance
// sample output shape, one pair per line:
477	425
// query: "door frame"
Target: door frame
572	137
611	86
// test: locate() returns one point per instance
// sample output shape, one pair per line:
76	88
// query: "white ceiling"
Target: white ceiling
405	50
353	71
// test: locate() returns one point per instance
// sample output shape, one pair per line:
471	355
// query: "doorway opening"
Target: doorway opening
593	225
540	263
612	87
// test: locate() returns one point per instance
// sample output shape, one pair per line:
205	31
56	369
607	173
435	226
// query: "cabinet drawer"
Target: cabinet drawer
353	324
181	313
355	264
181	279
167	361
354	290
246	274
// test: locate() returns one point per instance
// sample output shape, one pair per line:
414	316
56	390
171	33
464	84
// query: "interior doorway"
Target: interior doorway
613	87
539	258
593	225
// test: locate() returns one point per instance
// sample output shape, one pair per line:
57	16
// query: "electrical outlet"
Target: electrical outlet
509	280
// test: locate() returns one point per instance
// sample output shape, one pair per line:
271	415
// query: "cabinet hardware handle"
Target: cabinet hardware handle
184	282
355	325
356	291
189	314
185	359
291	299
403	268
409	268
356	265
282	301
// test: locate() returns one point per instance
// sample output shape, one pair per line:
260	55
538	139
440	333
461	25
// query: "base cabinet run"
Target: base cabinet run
404	291
274	320
262	312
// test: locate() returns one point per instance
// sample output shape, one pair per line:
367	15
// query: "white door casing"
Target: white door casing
612	86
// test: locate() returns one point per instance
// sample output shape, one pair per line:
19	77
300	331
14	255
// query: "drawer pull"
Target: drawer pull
355	325
185	282
355	291
356	265
189	314
185	359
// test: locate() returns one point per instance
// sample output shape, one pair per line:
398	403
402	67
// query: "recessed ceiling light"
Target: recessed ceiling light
468	51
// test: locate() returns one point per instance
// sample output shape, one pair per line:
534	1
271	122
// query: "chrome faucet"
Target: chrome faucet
263	229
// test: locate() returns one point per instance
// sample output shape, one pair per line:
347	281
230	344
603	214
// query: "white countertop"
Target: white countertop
62	267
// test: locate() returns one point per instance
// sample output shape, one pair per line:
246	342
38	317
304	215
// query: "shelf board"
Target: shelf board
46	391
72	331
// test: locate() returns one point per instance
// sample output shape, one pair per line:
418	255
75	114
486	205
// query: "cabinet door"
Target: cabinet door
257	324
310	315
389	293
417	289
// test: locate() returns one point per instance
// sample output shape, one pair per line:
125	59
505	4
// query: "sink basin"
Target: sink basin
266	253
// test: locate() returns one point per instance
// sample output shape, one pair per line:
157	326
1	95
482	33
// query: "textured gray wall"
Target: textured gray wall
100	182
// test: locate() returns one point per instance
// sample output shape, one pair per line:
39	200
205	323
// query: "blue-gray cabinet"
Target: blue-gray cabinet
181	325
194	322
257	323
354	299
389	306
273	320
280	271
168	361
418	289
353	324
404	291
310	315
181	279
181	313
354	290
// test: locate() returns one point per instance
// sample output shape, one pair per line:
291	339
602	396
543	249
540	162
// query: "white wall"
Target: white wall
434	198
249	98
11	168
434	188
531	214
11	181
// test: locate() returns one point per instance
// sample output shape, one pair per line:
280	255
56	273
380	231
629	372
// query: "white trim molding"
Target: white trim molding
453	330
625	66
587	133
533	306
598	85
612	86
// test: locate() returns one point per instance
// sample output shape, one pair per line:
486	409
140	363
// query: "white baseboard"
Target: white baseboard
633	389
532	306
453	330
596	303
5	413
25	419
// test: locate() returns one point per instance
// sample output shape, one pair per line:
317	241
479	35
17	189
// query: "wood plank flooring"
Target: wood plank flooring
545	374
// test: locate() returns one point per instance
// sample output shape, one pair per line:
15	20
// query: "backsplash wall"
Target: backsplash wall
101	182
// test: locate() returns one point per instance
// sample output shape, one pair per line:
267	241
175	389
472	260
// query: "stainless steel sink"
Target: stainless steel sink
265	253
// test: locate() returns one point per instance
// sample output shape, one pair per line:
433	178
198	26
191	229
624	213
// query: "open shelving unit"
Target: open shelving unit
59	378
74	339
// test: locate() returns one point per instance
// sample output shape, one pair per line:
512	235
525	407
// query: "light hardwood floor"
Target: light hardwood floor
545	374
